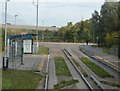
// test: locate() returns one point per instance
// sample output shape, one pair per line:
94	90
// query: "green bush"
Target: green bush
110	40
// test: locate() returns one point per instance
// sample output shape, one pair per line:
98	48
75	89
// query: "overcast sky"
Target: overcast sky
53	13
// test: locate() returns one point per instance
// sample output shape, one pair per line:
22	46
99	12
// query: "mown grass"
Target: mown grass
61	67
17	79
80	68
64	83
96	69
43	50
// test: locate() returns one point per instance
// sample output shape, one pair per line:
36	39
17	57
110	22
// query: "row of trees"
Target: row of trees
78	32
101	27
105	25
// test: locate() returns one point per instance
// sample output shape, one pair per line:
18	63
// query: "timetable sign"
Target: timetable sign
27	46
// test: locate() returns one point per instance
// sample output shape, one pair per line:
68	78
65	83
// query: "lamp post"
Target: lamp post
5	50
15	23
43	32
37	44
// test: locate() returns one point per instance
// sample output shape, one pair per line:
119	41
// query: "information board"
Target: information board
27	46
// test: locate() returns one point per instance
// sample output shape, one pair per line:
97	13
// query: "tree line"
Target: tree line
101	28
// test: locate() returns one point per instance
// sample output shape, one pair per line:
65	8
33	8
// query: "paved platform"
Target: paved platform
30	61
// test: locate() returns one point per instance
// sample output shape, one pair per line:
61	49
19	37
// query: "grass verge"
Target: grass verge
80	68
43	50
17	79
111	84
96	69
64	83
61	67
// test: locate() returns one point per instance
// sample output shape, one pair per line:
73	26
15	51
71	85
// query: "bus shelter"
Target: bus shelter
17	45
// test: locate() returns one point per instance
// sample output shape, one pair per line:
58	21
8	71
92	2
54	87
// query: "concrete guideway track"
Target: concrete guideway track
52	74
74	48
75	75
77	54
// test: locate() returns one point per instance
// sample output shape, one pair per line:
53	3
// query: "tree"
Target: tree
109	18
109	15
80	32
95	25
110	40
67	32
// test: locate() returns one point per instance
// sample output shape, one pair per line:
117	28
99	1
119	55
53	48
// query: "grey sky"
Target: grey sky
52	13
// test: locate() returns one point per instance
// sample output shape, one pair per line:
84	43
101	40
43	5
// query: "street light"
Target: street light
43	32
15	23
5	50
37	44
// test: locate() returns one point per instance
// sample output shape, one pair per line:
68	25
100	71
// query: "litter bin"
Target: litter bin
4	62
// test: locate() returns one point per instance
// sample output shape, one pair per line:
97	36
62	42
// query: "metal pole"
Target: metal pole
15	54
15	23
37	44
5	50
43	32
